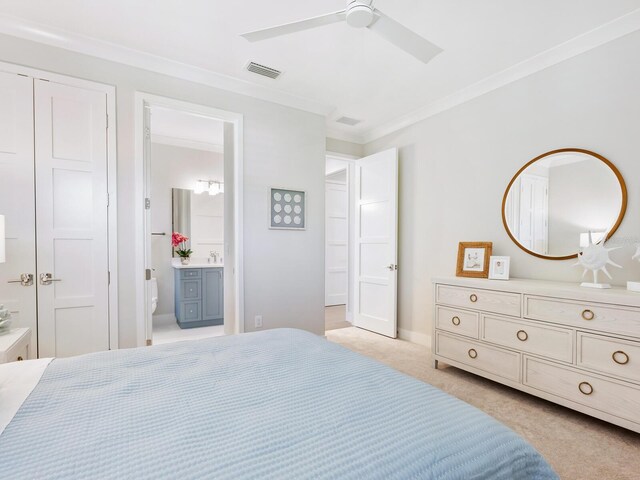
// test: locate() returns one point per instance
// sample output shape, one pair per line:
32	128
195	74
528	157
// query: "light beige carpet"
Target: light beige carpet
335	317
577	446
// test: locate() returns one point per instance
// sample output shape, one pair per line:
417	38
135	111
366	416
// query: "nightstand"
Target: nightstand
14	346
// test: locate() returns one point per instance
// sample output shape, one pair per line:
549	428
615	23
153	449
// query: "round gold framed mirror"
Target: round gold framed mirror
555	201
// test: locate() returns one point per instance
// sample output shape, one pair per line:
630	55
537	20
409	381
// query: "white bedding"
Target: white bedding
17	381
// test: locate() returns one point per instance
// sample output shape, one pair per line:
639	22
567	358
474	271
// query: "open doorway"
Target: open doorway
186	162
339	180
191	184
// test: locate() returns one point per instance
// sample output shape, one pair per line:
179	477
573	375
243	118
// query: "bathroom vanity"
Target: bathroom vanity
199	295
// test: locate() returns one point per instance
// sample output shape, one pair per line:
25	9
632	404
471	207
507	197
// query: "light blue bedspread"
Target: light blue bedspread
279	404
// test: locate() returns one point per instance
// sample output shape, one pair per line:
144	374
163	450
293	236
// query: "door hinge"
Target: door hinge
108	200
149	342
147	203
147	274
147	133
108	278
107	121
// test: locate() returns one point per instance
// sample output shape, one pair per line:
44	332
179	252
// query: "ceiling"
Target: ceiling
185	129
334	70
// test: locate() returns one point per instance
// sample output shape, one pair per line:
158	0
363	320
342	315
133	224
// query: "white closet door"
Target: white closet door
376	228
17	199
71	199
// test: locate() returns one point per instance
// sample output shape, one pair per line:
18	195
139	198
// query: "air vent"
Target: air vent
348	121
264	71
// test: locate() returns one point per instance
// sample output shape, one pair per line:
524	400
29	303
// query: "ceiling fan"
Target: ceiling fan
359	14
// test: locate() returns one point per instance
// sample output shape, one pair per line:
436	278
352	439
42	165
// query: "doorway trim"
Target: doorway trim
143	100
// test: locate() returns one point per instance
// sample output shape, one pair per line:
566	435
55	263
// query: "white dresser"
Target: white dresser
15	345
575	346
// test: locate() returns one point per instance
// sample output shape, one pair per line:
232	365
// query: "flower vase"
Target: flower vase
185	260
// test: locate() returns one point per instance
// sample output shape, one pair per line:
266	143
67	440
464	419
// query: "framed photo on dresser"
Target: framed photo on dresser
473	259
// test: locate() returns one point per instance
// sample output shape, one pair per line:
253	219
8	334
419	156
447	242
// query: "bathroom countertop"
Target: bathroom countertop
196	264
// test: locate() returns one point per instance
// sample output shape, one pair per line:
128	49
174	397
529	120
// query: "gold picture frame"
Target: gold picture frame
473	259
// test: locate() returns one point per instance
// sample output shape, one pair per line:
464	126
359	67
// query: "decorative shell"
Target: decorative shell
595	258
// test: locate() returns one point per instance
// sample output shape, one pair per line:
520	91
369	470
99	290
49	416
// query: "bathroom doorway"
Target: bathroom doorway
192	283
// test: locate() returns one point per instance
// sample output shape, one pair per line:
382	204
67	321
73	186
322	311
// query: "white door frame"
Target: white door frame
351	161
143	100
112	186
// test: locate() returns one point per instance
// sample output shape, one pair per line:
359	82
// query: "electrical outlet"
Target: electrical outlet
258	321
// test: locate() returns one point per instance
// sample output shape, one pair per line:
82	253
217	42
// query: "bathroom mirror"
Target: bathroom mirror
199	216
556	199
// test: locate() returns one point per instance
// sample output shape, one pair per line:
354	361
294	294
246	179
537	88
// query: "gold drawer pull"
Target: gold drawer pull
473	297
588	314
19	359
620	353
455	321
585	388
472	353
522	335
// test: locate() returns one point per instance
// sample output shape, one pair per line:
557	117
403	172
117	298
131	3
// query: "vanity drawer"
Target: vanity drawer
531	337
191	289
506	303
609	396
461	322
190	312
609	355
496	361
609	319
190	273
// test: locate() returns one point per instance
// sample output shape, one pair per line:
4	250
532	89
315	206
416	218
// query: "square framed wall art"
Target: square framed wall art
287	209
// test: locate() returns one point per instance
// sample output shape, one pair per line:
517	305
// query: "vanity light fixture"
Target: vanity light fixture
212	187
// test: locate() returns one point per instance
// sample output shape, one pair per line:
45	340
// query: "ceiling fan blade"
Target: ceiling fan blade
288	28
404	38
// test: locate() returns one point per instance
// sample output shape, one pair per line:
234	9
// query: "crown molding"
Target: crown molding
21	28
601	35
186	143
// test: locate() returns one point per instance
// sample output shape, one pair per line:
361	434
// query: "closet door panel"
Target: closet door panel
17	199
71	199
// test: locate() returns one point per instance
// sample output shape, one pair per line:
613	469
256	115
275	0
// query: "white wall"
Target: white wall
455	166
174	167
346	148
282	146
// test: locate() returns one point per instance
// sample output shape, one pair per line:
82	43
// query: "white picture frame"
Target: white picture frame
499	267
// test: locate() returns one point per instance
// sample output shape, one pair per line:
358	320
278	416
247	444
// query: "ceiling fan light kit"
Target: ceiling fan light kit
359	14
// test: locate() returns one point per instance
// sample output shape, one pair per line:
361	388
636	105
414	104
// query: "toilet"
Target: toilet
154	294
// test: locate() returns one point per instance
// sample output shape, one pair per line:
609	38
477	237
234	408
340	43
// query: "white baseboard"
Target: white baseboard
415	337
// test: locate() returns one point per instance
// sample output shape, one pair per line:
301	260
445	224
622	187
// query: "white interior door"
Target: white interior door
148	252
376	239
17	200
71	216
534	208
336	238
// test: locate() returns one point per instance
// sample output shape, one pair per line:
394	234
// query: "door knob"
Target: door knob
26	280
45	279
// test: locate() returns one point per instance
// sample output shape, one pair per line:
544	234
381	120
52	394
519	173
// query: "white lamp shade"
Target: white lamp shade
2	240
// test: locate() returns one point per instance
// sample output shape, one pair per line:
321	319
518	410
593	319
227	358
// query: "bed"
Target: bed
281	404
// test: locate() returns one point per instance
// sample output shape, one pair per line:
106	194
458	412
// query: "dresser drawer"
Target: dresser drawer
609	355
609	319
506	303
18	353
457	321
531	337
609	396
496	361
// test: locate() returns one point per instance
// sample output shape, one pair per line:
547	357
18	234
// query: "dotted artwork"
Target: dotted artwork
287	209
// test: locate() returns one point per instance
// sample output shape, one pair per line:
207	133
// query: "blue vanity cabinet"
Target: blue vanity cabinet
199	296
